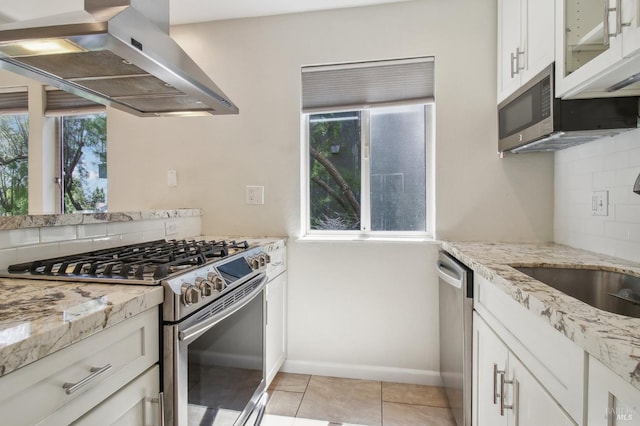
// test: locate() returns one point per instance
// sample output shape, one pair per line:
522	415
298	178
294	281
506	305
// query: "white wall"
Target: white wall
609	164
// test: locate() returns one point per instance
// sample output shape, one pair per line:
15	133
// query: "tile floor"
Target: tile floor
302	400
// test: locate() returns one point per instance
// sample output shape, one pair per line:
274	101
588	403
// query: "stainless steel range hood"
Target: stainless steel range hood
117	53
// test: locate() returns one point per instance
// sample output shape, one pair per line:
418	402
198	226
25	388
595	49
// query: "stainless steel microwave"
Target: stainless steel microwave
533	119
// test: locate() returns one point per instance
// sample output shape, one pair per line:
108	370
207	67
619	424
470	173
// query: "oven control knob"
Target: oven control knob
264	259
190	294
206	287
254	262
217	282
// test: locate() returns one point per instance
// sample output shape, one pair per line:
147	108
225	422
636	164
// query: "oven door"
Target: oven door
214	363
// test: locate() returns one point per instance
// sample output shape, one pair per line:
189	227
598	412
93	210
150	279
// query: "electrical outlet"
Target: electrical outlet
600	203
254	194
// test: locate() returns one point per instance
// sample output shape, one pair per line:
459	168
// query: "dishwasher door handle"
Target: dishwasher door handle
449	276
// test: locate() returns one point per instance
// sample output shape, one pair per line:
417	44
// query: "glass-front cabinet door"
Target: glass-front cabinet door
594	37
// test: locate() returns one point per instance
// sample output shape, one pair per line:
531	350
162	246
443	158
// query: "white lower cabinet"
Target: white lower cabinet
612	401
62	387
505	392
276	328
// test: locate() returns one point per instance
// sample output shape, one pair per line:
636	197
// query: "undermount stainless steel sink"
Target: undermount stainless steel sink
607	290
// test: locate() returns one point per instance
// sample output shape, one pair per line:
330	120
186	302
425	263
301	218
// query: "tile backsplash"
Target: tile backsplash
608	164
26	244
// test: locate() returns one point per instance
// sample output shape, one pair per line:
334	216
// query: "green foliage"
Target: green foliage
335	171
79	134
14	144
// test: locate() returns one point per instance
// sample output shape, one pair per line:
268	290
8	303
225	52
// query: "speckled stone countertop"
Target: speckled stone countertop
613	339
36	221
38	318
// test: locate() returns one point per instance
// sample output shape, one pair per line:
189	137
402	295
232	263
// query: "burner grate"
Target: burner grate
150	261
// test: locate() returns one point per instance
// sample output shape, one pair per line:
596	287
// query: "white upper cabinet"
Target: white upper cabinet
525	41
597	48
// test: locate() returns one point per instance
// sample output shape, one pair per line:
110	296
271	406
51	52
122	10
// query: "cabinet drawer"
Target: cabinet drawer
136	404
37	390
556	362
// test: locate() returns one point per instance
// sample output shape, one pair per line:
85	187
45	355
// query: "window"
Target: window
82	152
84	162
80	142
369	165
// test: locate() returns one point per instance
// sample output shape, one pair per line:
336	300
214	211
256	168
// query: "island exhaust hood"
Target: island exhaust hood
117	53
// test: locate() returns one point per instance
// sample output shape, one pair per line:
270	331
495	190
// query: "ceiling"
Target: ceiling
186	11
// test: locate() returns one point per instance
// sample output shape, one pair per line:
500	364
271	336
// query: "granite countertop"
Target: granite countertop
45	220
613	339
38	318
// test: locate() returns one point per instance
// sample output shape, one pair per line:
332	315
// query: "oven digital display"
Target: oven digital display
231	271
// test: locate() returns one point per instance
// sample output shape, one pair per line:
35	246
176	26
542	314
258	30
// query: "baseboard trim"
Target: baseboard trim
364	372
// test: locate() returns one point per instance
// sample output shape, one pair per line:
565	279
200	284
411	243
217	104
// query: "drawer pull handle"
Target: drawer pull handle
96	372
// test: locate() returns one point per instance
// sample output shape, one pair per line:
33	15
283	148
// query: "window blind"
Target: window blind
361	84
60	102
15	101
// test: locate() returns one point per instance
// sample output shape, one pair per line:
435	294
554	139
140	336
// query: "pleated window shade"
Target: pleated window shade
365	84
60	102
14	102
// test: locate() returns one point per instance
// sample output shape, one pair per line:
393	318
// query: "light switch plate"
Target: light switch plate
600	203
172	178
254	194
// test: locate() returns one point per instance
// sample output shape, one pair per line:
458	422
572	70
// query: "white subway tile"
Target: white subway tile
41	251
603	180
92	230
132	238
19	237
616	160
634	157
153	235
57	233
8	257
75	246
627	213
618	231
119	228
627	250
106	242
627	176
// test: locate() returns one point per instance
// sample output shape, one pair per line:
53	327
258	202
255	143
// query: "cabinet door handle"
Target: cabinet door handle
513	61
519	53
513	405
160	401
495	383
96	372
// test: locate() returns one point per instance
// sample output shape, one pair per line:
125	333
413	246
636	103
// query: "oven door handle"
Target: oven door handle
195	331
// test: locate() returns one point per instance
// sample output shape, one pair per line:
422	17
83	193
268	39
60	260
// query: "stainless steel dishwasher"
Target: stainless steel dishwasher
456	313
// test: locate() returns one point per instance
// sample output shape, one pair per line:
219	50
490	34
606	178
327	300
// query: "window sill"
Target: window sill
368	238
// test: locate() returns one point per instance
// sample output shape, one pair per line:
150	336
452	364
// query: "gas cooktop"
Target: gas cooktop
144	263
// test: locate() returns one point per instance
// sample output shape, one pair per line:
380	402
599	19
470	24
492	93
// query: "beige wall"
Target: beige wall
257	63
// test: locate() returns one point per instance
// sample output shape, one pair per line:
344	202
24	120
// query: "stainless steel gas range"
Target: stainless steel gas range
213	317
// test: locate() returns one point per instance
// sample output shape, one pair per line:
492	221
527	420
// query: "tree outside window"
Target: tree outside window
14	147
84	162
